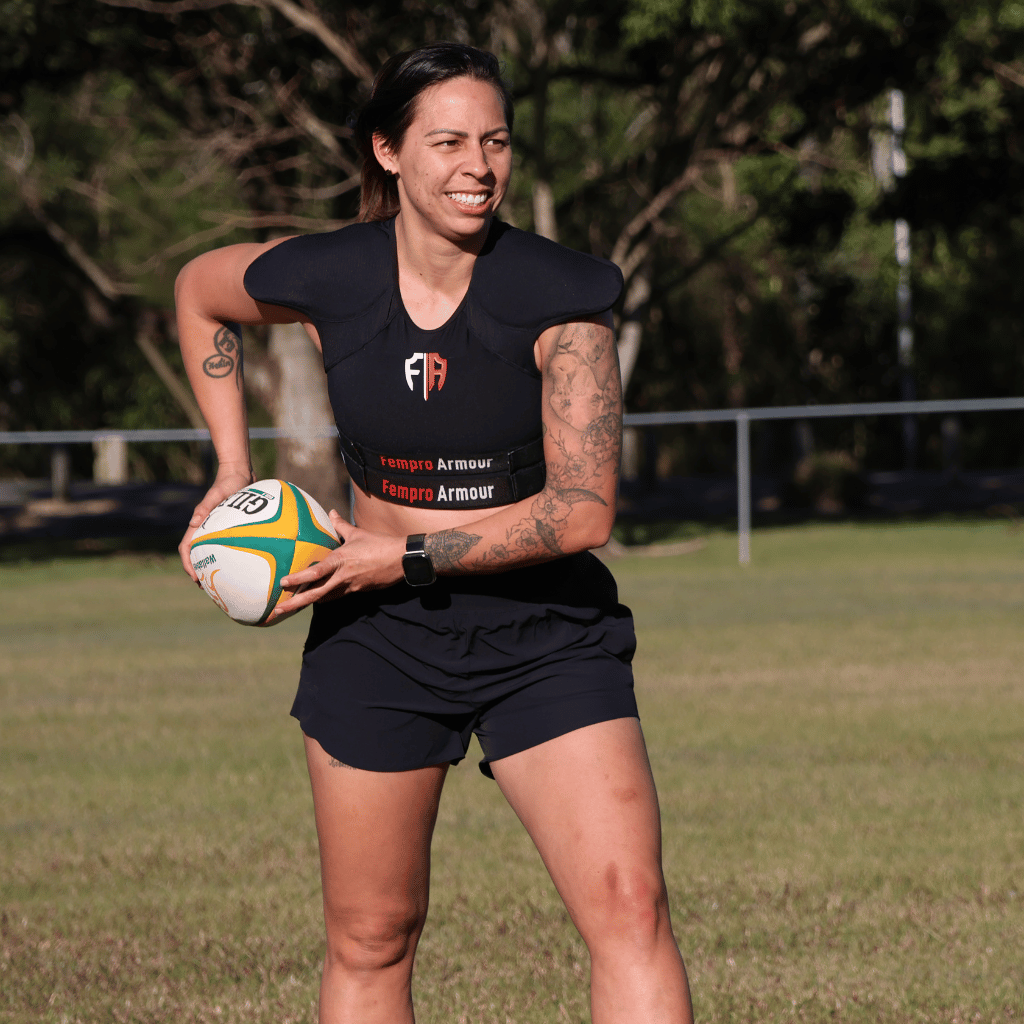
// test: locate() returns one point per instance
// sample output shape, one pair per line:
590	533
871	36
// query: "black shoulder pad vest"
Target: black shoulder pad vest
442	418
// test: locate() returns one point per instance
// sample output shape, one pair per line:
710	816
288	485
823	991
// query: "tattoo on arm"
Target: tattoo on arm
447	548
584	392
228	356
583	436
540	533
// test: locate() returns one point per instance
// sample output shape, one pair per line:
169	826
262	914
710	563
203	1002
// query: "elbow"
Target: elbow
597	530
602	536
182	282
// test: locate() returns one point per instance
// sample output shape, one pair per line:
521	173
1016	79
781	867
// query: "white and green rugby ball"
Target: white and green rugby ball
252	540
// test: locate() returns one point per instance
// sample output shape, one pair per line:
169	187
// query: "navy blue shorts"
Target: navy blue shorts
401	678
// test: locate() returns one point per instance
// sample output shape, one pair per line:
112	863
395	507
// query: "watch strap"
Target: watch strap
416	563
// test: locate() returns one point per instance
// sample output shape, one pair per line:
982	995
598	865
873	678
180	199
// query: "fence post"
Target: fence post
60	472
743	484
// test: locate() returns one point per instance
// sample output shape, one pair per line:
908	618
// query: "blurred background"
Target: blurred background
811	203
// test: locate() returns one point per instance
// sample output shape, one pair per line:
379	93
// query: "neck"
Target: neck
442	264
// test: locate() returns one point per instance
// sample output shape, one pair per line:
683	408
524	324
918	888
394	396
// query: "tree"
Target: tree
718	153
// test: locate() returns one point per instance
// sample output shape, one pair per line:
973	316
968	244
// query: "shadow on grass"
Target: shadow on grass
46	550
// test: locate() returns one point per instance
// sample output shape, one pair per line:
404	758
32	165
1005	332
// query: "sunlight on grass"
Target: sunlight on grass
837	732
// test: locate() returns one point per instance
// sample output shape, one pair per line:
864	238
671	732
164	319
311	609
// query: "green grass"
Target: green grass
837	733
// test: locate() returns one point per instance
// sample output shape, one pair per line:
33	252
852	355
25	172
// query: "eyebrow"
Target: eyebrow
465	135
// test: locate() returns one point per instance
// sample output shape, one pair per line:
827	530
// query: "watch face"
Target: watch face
419	570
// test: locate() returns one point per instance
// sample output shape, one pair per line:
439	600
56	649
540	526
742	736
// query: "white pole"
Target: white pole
743	484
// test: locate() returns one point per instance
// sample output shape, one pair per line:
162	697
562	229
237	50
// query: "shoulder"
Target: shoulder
330	276
522	279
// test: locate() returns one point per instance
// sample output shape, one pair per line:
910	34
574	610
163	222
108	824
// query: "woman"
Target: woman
472	370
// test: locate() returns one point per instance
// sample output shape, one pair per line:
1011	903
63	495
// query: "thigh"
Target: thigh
374	830
588	800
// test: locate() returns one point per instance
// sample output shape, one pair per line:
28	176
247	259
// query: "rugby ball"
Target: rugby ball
253	539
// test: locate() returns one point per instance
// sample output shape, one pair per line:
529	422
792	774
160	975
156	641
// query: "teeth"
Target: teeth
468	198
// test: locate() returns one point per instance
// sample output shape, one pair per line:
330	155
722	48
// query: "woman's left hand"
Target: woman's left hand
364	561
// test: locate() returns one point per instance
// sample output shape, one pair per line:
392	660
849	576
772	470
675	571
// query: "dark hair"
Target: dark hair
392	107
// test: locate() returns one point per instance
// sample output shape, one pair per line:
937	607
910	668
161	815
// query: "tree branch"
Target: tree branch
105	284
299	114
198	238
341	48
298	16
651	212
178	6
255	221
145	329
1004	71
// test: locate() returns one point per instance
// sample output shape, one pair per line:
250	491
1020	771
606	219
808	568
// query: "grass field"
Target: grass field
837	733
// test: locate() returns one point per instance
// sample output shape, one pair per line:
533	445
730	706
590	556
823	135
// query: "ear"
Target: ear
383	154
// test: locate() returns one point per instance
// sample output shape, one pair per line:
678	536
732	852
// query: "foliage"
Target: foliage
964	198
719	153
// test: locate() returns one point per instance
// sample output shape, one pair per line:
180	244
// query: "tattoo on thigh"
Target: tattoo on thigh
335	763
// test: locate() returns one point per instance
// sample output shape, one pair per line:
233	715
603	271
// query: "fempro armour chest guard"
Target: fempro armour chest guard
446	418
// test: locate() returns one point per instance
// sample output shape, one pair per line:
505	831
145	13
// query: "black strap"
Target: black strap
484	480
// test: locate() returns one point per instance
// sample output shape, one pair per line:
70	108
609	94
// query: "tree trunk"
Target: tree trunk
294	388
630	333
732	351
544	222
631	329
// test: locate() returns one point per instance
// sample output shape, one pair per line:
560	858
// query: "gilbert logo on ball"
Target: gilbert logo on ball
253	539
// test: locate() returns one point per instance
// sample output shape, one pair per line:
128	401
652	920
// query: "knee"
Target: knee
368	941
625	907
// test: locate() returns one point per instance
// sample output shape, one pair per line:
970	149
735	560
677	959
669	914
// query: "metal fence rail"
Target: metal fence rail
741	417
744	417
56	437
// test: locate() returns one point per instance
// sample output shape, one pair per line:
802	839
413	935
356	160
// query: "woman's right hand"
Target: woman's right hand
228	481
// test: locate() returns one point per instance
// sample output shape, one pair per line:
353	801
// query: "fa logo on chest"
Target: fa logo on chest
433	370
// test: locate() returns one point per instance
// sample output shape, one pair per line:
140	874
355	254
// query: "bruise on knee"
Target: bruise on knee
371	942
627	903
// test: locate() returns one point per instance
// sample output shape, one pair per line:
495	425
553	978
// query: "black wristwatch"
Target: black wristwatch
416	563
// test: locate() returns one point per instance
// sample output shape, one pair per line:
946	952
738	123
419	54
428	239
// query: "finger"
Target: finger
221	489
184	548
324	568
342	527
326	582
295	603
184	551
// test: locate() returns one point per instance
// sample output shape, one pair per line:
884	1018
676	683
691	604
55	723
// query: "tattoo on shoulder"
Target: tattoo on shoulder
447	548
227	358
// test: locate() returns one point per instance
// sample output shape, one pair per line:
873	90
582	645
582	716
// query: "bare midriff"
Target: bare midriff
400	520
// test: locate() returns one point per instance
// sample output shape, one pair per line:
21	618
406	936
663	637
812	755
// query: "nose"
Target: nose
477	163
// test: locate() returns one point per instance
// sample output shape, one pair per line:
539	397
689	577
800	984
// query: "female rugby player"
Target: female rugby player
472	370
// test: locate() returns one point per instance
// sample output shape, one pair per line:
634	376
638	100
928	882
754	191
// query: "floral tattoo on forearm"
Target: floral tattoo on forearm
228	356
583	389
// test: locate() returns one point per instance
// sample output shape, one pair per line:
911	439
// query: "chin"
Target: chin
466	225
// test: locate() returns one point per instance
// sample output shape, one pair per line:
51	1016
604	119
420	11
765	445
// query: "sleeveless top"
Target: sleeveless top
442	418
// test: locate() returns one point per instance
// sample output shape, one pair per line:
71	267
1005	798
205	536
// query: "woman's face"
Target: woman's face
455	161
